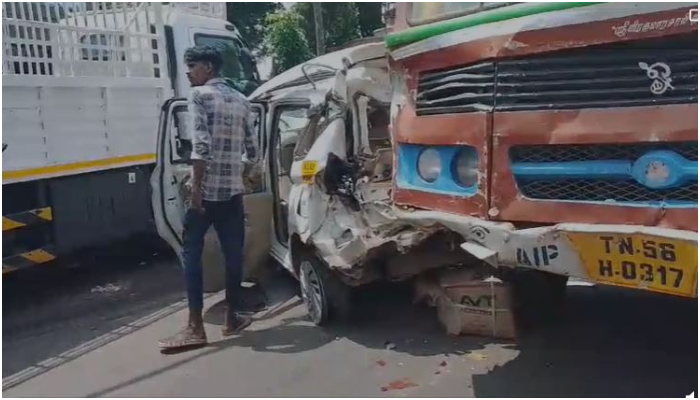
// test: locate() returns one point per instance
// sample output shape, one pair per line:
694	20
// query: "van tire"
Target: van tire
325	296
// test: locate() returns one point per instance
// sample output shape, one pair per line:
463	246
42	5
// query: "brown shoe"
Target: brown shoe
235	324
185	338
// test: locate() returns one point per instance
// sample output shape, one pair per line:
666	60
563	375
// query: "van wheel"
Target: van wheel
326	298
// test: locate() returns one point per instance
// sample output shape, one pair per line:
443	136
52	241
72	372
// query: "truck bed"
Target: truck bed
82	87
57	126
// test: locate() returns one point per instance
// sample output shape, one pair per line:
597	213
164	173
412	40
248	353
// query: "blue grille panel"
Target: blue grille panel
644	174
588	190
578	152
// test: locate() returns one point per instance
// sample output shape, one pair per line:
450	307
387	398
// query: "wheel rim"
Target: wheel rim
311	292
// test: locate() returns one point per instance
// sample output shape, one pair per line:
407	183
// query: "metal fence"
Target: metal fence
104	39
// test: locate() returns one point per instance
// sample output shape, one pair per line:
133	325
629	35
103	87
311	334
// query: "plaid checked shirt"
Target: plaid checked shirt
222	124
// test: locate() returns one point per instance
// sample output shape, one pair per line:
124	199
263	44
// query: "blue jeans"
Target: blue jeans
228	220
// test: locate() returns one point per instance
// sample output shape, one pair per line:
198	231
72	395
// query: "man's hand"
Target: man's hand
196	200
198	169
252	178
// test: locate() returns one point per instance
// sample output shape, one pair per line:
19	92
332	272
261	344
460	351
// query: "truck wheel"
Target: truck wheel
326	298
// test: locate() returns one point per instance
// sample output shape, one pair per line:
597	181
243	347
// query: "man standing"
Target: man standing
221	125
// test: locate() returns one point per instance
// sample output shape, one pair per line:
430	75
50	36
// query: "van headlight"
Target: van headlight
466	167
429	165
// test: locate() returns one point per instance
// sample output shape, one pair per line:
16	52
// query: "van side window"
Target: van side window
290	125
378	126
180	141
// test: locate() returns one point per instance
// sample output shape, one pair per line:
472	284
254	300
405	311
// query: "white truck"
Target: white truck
83	85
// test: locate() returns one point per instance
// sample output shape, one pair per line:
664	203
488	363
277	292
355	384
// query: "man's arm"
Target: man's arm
201	143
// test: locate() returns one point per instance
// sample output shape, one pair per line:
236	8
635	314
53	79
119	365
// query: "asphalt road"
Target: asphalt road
611	342
51	309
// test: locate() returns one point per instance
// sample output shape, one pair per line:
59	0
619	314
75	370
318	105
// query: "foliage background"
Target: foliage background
287	34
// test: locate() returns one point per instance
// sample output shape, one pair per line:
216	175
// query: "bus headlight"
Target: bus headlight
466	167
429	165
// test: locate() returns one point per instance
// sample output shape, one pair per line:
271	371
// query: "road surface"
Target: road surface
92	331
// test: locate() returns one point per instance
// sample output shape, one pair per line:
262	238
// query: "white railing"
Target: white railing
205	9
88	39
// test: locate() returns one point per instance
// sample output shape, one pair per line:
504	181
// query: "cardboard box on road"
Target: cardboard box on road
470	303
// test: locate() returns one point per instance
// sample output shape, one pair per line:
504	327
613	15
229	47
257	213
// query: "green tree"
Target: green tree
341	22
249	18
370	17
285	41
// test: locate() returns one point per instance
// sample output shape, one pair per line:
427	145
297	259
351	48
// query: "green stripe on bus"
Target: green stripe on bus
418	33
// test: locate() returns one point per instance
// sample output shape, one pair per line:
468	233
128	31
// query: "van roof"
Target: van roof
295	76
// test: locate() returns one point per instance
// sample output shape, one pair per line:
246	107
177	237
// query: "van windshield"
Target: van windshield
239	66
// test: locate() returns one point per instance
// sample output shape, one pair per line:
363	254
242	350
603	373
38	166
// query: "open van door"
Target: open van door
171	186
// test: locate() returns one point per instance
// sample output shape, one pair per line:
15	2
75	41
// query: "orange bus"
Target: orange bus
575	123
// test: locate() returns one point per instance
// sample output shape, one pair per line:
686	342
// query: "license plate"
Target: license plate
640	261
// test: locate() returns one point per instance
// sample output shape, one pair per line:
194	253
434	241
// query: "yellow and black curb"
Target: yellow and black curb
27	259
26	218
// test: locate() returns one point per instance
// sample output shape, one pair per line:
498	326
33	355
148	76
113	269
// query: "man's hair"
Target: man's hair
205	54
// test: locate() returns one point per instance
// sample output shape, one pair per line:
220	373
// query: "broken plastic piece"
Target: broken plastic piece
482	253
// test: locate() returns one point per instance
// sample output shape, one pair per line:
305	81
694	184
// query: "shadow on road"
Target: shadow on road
611	343
56	313
382	316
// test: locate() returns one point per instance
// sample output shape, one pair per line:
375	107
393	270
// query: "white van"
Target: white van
302	119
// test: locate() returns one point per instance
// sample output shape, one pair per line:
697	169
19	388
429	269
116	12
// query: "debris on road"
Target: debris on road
580	282
381	363
108	288
469	301
401	384
476	356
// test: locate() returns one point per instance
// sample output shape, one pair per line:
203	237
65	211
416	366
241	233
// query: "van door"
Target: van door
289	119
171	187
